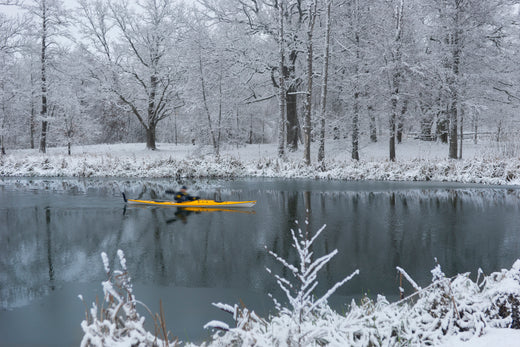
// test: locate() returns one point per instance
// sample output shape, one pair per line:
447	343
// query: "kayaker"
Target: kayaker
183	196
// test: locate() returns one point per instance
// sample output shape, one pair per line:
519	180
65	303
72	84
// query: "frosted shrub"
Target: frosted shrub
299	290
502	291
119	323
304	322
448	307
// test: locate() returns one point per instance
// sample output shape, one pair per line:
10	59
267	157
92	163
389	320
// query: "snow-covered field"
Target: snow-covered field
416	161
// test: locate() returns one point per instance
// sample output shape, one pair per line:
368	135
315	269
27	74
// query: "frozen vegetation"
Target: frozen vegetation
448	312
417	161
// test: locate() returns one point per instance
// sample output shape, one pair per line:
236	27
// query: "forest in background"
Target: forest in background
234	72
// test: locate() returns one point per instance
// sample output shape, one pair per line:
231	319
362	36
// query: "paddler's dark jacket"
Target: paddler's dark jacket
182	197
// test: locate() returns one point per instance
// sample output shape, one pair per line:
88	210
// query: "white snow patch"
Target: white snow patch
493	337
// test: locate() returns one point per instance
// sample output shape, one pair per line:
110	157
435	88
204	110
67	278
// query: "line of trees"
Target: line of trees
250	71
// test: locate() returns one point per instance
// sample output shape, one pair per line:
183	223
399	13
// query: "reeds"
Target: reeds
119	322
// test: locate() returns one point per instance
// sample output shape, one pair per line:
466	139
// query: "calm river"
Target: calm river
52	232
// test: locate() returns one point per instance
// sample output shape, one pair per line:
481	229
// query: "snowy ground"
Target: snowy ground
493	337
416	161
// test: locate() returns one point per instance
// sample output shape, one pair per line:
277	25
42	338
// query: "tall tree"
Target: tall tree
140	58
357	87
465	33
52	21
395	71
11	41
324	83
311	18
282	102
261	17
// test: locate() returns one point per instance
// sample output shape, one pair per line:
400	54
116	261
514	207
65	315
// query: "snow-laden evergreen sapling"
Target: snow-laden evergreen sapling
119	324
300	289
295	325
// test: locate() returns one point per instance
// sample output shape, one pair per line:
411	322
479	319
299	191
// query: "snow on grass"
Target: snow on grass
493	337
416	161
118	324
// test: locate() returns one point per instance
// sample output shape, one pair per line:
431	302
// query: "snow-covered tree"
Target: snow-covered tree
324	83
50	17
464	35
307	128
11	42
137	44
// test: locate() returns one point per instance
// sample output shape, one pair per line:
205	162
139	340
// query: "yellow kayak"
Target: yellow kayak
195	203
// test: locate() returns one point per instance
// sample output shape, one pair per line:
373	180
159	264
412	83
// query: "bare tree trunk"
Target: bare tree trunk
205	101
308	100
292	122
281	82
372	123
150	137
251	129
219	121
32	125
355	128
3	103
2	131
475	129
43	112
396	76
391	124
461	132
175	125
263	131
325	76
454	88
150	128
442	126
400	123
453	142
355	116
238	126
32	120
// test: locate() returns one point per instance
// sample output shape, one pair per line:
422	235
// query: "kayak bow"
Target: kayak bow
194	203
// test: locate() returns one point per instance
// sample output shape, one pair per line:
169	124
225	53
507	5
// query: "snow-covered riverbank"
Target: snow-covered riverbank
457	311
416	161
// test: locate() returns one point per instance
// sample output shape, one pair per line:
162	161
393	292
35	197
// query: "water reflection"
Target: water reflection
54	230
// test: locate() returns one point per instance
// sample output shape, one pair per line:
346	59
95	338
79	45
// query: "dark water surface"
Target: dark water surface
53	231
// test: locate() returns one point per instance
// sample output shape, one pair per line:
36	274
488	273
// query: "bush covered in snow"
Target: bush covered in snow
456	307
119	323
183	162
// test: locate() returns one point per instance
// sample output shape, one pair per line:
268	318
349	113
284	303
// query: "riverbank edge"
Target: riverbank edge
495	171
